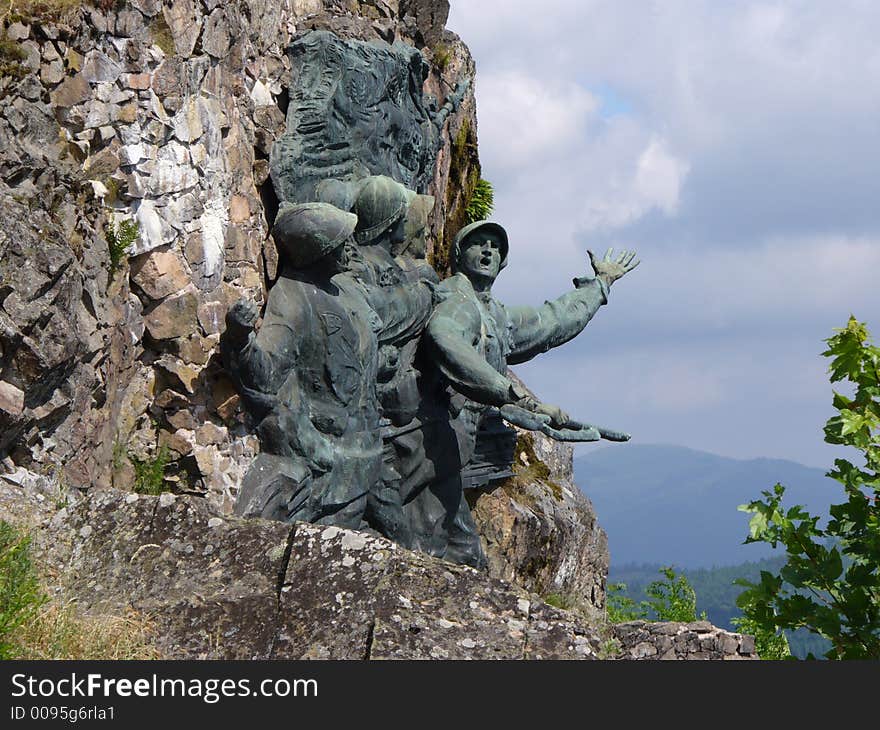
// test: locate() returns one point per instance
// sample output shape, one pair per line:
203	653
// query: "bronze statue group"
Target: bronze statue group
369	378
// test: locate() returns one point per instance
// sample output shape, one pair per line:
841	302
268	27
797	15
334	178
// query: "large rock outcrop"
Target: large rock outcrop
218	587
166	114
540	531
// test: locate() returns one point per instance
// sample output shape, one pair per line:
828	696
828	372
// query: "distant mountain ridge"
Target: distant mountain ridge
678	506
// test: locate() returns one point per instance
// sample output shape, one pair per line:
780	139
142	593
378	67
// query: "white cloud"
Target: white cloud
522	119
659	176
778	284
652	180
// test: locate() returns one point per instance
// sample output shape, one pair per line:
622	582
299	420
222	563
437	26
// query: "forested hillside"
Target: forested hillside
673	505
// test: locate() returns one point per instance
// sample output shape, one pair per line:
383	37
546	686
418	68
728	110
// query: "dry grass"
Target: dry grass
28	10
61	632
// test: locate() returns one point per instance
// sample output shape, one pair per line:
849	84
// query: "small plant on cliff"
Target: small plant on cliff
149	474
482	201
160	33
20	594
11	56
830	584
557	600
529	470
670	599
442	56
119	240
11	50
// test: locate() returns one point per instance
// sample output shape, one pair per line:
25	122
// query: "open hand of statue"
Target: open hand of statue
609	268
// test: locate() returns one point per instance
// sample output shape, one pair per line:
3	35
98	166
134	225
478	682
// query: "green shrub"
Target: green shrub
670	599
830	583
20	593
619	606
769	644
149	474
481	203
119	240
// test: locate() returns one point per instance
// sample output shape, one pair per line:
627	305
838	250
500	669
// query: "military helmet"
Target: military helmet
465	232
306	232
341	193
380	203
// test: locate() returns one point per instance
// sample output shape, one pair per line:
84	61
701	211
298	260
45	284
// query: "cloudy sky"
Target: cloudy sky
736	146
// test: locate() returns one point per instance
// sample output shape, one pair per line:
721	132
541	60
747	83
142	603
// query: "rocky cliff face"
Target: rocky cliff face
541	532
164	114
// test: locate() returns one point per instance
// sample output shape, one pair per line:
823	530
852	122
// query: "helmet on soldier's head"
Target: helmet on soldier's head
307	232
341	193
380	203
458	244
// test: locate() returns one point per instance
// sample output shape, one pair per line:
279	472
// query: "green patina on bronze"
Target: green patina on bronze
379	391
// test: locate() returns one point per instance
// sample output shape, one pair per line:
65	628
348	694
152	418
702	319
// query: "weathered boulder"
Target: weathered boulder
221	587
540	531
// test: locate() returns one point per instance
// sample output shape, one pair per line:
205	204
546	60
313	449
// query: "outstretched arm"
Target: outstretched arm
538	329
569	431
451	339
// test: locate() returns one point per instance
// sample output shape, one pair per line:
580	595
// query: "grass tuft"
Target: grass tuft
149	474
20	593
60	632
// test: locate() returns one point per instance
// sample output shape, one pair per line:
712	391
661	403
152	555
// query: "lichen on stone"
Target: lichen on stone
529	469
